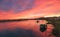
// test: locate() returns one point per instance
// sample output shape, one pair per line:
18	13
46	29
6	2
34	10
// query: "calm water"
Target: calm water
27	28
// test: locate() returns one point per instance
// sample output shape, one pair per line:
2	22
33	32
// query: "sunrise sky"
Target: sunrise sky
17	9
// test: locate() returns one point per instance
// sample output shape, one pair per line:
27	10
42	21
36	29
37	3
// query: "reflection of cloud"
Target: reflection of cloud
17	33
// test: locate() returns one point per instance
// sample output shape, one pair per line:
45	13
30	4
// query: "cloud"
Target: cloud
16	5
28	8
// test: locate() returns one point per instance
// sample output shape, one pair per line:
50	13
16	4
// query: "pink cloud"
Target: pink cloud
41	8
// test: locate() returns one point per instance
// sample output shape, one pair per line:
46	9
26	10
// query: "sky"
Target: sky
20	9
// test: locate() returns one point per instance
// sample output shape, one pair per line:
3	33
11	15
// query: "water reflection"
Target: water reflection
24	29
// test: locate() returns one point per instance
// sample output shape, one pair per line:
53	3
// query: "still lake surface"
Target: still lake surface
28	28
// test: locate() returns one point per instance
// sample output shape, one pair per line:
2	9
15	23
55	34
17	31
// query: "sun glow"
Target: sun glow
53	16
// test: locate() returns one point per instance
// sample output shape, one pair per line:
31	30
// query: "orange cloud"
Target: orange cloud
41	8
